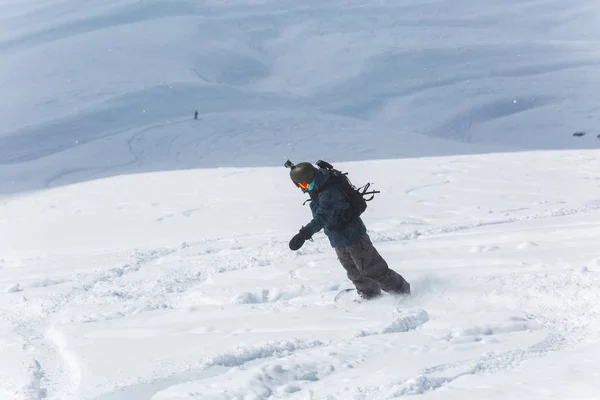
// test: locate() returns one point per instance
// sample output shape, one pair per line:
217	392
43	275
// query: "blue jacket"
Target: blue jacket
328	203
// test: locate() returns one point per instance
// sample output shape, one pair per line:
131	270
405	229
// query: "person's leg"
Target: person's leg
371	265
365	287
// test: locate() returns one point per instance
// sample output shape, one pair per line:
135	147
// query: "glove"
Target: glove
301	237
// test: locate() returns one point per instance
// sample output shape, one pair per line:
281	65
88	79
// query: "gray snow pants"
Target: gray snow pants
368	271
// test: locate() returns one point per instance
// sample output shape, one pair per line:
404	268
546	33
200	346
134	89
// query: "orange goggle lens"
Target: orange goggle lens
303	185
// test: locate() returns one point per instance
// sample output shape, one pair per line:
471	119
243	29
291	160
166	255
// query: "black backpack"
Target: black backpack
355	196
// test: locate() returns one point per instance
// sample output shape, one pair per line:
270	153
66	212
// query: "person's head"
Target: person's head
303	176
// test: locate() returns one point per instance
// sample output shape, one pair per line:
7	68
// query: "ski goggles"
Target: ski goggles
306	185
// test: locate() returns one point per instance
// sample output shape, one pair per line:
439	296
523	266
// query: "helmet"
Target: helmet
303	172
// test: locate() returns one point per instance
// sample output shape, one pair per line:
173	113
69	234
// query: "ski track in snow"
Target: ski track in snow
47	344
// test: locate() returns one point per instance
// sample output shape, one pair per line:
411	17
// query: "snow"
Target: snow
144	254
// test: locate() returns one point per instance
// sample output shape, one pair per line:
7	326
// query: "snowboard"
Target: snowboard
343	293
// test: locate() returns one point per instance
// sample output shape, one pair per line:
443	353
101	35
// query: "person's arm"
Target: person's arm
326	212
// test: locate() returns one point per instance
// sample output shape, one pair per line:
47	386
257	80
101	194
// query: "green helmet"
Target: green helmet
303	172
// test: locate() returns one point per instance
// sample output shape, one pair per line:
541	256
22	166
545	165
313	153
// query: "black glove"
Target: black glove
301	237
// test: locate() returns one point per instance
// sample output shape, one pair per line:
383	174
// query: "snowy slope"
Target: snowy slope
144	254
117	83
157	287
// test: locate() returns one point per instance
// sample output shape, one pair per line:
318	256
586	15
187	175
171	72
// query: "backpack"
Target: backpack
353	195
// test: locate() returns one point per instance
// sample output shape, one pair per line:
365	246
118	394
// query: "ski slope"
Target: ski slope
144	254
150	287
99	90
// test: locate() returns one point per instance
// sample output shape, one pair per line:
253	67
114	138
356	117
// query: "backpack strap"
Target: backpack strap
363	191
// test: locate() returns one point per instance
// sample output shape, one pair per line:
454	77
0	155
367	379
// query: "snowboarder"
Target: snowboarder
364	266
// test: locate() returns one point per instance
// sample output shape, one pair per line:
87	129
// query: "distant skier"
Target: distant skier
347	233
